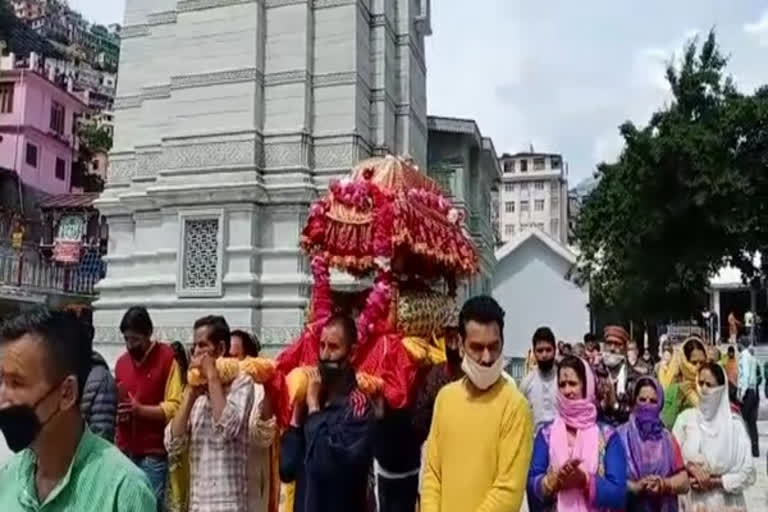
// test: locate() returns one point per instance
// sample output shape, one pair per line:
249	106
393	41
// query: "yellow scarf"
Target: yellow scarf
690	376
668	372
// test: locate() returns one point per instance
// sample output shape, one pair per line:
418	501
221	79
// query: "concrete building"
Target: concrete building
37	122
107	49
466	165
28	10
85	53
47	17
531	283
533	194
98	44
231	117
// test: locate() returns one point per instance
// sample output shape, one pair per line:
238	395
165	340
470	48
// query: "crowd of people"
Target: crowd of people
596	428
640	436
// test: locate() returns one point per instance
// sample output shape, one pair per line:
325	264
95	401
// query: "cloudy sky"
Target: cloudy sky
563	74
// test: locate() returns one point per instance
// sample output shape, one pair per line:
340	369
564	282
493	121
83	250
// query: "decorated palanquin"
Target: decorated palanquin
389	221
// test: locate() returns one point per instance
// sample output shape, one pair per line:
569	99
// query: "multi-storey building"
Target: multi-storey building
97	44
38	117
533	194
87	53
231	116
30	9
47	17
466	165
107	46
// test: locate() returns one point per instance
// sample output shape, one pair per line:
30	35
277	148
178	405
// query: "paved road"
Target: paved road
757	495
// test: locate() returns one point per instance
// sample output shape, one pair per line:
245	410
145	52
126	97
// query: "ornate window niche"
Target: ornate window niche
201	253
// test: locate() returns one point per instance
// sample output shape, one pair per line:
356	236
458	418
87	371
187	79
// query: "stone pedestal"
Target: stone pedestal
231	117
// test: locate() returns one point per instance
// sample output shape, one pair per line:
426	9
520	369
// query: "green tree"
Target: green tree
92	139
95	138
7	21
681	200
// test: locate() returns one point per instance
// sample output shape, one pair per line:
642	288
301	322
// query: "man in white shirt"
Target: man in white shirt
540	385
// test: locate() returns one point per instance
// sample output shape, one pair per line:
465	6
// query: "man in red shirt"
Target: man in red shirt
149	393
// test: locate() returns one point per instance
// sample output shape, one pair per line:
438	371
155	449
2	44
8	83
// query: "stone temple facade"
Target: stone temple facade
231	117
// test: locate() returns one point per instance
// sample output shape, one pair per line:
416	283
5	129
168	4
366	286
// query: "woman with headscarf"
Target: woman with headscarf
578	465
655	470
177	493
681	393
666	369
715	447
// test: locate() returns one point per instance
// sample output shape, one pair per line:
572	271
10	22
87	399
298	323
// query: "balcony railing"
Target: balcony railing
45	277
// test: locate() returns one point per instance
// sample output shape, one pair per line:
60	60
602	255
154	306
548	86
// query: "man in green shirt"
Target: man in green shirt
59	464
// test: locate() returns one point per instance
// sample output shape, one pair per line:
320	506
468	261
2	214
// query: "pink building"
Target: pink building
37	125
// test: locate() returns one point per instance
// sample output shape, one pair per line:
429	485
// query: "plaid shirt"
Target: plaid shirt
218	451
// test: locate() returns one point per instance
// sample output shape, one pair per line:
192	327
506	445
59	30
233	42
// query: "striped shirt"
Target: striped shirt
100	478
218	451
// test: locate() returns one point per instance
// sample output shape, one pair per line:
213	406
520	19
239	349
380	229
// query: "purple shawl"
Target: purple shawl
649	447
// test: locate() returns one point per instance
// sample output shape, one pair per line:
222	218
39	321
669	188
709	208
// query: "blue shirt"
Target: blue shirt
610	486
329	458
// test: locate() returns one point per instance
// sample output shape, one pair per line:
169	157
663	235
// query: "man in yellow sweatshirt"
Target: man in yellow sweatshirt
480	442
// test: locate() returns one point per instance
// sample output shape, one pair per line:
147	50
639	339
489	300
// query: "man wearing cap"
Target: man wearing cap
614	381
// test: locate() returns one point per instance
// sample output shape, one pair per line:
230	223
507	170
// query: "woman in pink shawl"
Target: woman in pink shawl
578	465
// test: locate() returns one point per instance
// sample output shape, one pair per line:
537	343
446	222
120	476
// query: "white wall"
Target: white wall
247	108
531	287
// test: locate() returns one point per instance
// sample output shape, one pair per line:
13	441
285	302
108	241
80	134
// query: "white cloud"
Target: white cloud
644	90
100	11
542	73
759	29
650	63
607	146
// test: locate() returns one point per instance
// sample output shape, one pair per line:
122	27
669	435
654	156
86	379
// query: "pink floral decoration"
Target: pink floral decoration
376	308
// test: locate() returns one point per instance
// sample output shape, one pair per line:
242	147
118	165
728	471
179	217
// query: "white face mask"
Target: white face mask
483	377
709	401
613	360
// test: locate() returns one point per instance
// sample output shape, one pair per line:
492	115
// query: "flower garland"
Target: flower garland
431	199
322	301
356	194
383	223
373	317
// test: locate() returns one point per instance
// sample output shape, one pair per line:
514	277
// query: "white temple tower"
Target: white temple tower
231	117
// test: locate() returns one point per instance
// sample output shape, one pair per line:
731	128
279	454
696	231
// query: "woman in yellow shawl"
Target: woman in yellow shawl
681	393
667	368
178	479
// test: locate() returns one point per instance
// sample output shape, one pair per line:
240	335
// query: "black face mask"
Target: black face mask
546	365
137	353
20	424
330	371
453	356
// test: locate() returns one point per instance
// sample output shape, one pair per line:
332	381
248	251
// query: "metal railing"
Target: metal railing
45	277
